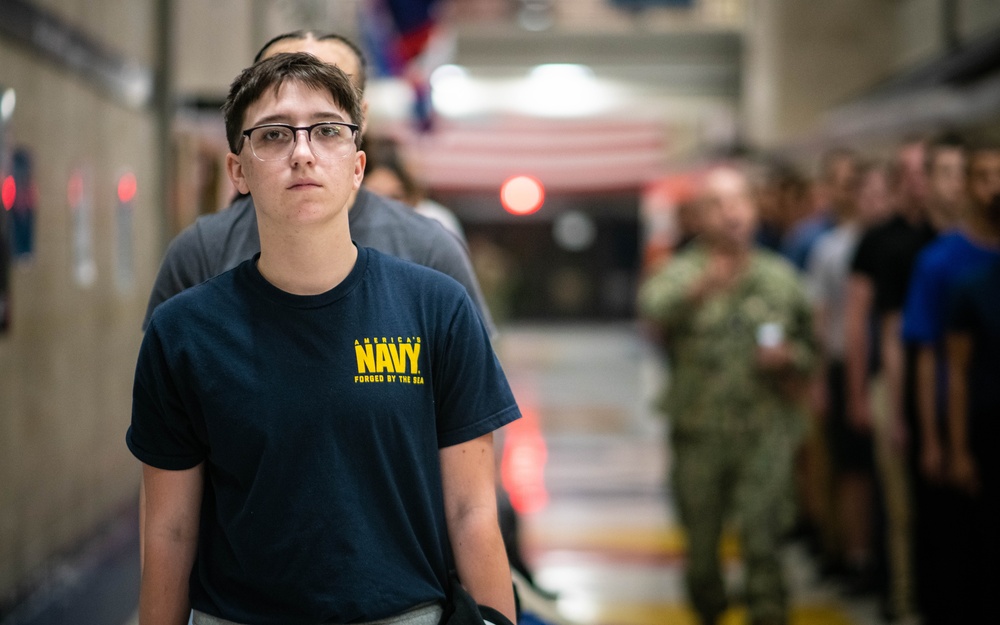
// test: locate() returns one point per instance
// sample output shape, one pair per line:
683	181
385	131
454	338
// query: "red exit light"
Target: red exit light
8	192
126	188
522	195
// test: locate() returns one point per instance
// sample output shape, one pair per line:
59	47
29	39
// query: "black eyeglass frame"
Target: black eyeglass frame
245	135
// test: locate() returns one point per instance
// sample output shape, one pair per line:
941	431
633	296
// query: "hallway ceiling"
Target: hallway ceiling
656	87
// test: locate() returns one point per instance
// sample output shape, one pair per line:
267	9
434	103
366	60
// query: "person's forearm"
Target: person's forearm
163	593
892	365
481	560
170	526
926	394
856	356
959	348
142	525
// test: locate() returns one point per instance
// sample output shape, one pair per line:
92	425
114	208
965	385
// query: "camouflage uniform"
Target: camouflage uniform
734	428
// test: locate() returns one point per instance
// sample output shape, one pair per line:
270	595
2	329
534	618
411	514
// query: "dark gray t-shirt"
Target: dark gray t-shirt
218	242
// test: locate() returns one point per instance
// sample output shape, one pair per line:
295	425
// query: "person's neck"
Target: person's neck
982	232
736	253
350	200
942	216
306	263
913	213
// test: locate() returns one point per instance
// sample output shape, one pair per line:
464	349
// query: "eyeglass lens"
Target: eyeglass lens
327	141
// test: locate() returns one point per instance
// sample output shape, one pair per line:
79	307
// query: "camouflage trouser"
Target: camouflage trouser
746	477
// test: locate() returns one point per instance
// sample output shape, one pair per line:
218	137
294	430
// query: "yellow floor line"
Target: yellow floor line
674	614
668	542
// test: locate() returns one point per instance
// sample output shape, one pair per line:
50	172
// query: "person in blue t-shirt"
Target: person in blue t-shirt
943	513
315	425
968	248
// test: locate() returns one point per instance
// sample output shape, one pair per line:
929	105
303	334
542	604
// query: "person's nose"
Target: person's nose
302	148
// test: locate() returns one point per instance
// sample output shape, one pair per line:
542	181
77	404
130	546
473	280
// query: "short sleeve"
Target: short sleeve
472	395
961	308
816	278
161	433
863	260
923	313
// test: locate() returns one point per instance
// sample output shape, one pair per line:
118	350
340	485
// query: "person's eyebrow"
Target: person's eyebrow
284	118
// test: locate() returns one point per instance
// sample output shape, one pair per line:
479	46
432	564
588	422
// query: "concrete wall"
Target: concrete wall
67	361
805	58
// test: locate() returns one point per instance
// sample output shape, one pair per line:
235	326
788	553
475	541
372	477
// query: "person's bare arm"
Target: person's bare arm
858	305
170	539
467	472
931	453
961	468
893	364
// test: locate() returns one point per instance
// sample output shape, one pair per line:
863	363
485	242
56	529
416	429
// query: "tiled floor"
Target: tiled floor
606	539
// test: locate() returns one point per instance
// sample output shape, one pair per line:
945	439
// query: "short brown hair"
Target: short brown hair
271	73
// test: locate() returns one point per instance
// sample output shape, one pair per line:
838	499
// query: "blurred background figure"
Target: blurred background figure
737	330
973	356
388	175
834	196
875	365
783	198
943	512
849	442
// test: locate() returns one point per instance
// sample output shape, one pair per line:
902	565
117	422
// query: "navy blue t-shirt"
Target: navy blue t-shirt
319	420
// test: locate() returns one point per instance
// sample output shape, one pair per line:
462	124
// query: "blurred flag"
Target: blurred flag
404	40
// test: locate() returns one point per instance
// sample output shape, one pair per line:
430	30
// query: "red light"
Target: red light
126	187
522	195
74	189
8	192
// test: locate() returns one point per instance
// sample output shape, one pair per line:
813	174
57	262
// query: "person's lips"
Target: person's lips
304	183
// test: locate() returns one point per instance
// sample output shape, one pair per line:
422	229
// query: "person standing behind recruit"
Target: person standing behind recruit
876	290
218	242
943	512
300	466
388	175
737	329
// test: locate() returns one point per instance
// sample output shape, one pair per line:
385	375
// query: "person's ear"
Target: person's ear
237	175
359	168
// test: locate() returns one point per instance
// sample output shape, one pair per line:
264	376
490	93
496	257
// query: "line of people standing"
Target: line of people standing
888	262
899	262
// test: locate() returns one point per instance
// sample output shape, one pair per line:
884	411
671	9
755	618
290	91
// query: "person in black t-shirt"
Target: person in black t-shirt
876	291
315	425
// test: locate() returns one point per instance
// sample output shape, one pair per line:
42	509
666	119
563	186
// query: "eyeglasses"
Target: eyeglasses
274	142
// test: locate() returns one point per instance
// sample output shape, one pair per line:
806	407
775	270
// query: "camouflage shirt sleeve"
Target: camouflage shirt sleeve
663	297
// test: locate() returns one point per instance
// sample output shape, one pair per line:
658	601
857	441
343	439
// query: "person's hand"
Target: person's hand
776	361
962	472
774	357
932	460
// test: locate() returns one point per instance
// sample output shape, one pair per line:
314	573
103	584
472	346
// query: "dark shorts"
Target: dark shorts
851	450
